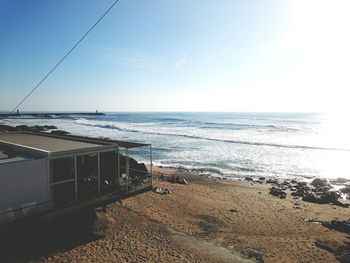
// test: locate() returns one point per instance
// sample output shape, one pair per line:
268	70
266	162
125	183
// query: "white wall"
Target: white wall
23	184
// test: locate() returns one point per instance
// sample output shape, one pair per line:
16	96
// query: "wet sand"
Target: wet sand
209	220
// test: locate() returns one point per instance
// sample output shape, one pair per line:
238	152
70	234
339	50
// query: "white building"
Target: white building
45	175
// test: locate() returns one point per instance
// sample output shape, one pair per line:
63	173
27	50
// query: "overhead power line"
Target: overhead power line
63	58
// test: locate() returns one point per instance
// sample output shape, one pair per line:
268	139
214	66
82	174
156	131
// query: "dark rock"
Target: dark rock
325	246
342	226
59	132
301	184
233	210
330	197
249	179
327	197
317	183
294	181
22	128
345	190
253	254
338	203
312	198
262	178
286	183
26	128
175	180
138	169
50	127
4	128
341	250
282	187
340	181
299	193
278	192
272	181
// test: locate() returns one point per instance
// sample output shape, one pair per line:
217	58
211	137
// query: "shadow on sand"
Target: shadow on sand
32	240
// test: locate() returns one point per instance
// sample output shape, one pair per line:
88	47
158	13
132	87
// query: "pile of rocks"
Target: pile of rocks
35	128
319	191
322	193
346	190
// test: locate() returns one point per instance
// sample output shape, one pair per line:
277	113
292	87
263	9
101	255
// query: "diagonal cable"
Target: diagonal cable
63	58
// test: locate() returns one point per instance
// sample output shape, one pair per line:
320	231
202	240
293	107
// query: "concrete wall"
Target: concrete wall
23	186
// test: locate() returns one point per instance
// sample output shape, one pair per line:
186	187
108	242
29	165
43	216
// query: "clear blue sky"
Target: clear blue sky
183	55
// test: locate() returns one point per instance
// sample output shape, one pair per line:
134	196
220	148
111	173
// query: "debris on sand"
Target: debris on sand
160	190
174	179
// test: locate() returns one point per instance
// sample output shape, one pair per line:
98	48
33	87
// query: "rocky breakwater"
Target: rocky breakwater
36	128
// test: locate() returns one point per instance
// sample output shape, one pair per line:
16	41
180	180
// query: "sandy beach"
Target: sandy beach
273	227
208	220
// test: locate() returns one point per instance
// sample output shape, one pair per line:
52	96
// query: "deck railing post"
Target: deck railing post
117	180
76	178
151	158
127	169
99	173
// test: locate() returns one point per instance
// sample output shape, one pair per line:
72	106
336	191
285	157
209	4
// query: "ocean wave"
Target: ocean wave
244	169
241	126
85	122
170	120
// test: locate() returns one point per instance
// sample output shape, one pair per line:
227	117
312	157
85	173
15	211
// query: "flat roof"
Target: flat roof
49	144
118	143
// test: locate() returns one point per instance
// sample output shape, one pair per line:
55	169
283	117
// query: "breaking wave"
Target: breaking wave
114	126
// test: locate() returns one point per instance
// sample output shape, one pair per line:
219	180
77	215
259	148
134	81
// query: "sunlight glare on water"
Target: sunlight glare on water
333	132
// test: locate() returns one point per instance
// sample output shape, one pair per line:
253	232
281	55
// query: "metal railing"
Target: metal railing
137	180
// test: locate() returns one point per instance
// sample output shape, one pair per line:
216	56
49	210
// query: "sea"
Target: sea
227	145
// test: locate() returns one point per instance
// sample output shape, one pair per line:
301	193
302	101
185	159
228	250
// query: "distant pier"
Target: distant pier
48	115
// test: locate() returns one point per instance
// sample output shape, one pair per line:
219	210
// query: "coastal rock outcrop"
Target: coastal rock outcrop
320	183
319	191
35	128
59	132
